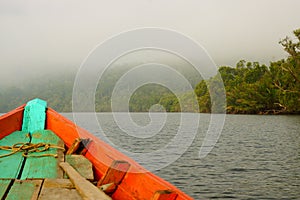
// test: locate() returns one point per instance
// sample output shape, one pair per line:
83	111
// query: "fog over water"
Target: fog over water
42	37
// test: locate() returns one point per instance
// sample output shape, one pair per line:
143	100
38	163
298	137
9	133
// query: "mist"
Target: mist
41	38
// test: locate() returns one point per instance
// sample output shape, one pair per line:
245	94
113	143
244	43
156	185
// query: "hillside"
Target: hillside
251	88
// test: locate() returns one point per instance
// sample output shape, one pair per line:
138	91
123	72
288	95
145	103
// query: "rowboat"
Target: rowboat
43	155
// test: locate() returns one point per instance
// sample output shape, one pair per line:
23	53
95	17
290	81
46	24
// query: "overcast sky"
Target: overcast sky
36	35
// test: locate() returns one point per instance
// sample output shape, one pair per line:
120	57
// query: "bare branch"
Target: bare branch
284	90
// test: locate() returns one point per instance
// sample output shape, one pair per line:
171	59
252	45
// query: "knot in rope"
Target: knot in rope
29	148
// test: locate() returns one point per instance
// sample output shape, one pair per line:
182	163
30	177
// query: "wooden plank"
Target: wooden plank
164	195
34	116
4	185
60	158
25	190
85	188
58	189
114	176
11	165
82	165
73	148
46	166
79	146
60	182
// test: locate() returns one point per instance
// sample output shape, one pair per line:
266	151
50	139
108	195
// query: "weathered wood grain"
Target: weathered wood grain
58	189
82	165
79	146
25	190
86	189
74	146
46	166
10	165
4	184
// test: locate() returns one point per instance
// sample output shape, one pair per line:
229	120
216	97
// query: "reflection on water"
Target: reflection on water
256	157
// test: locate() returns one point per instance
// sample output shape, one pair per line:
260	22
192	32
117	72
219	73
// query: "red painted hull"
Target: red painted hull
134	185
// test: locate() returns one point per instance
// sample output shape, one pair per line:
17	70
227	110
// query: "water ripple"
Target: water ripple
256	157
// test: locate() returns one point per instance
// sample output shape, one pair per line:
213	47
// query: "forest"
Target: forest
251	88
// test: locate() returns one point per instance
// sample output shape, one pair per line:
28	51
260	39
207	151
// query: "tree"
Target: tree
286	75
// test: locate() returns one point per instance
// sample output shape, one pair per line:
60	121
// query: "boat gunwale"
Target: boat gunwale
99	153
102	155
11	121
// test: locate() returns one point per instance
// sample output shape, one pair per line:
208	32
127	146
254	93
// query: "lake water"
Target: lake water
256	157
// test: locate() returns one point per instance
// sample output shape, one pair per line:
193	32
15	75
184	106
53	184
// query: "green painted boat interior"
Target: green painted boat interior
4	185
16	168
44	166
11	165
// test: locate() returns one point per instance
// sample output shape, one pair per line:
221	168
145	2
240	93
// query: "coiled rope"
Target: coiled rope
29	148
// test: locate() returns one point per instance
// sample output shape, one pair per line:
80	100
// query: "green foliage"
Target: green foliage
55	90
252	88
147	96
170	103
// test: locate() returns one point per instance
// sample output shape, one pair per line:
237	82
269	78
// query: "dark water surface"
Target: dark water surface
256	157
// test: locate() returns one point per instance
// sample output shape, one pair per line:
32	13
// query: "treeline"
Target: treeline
56	90
251	88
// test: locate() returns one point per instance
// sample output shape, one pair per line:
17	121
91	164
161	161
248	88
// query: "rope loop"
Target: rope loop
29	148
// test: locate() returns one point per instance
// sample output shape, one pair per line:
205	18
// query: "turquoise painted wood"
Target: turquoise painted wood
3	187
42	167
10	166
34	116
